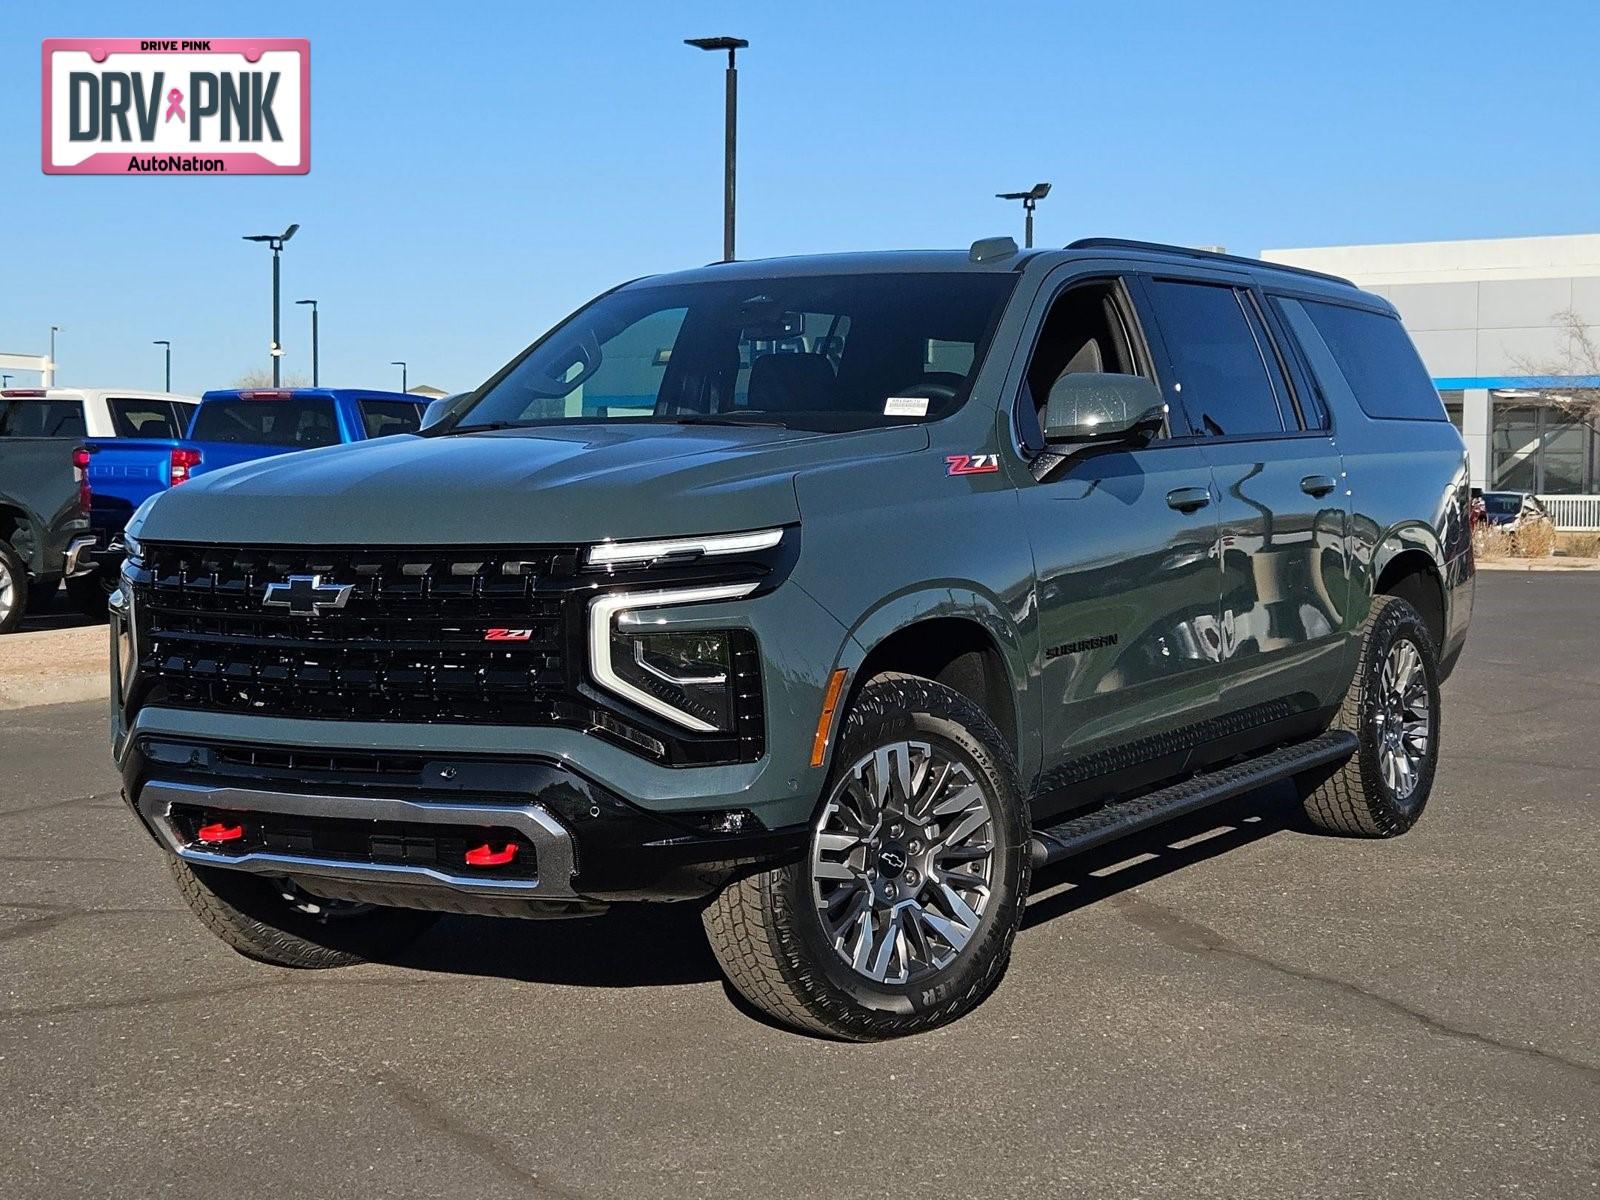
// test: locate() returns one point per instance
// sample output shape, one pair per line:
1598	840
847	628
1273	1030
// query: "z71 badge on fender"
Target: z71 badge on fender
972	464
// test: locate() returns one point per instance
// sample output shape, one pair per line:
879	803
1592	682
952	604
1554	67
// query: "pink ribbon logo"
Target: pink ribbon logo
175	106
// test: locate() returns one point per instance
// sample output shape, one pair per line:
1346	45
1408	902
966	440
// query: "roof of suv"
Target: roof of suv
992	262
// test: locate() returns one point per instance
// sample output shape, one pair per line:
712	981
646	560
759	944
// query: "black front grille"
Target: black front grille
420	636
491	636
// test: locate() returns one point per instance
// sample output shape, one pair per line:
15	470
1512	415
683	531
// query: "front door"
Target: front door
1124	542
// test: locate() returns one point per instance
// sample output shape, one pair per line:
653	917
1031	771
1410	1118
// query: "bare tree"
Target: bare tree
261	377
1577	354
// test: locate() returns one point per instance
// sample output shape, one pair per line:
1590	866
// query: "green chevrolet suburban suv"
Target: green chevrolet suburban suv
835	595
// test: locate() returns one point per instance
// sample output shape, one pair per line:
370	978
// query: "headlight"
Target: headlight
687	676
611	554
130	531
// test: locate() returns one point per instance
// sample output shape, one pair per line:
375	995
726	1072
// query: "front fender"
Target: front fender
961	600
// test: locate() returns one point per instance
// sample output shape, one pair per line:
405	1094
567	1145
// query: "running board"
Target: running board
1124	817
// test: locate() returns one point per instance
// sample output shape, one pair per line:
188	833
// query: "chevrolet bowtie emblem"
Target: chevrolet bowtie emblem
307	595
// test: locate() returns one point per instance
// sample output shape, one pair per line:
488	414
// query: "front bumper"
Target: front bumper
589	847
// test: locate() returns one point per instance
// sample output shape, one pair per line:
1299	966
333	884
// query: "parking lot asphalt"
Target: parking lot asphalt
1233	1007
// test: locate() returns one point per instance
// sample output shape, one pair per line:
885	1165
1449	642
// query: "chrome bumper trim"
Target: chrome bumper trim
76	549
552	845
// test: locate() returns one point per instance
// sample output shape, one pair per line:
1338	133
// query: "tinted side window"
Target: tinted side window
1222	378
1378	360
383	418
42	418
143	418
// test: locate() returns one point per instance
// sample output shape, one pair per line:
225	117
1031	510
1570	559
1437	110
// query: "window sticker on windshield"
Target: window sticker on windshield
905	406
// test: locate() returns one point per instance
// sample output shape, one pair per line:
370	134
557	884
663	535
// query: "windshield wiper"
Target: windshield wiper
757	420
486	427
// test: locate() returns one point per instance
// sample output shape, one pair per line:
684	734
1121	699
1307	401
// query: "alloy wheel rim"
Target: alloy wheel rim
1403	719
902	862
8	591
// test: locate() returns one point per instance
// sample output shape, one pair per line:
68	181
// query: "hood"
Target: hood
548	485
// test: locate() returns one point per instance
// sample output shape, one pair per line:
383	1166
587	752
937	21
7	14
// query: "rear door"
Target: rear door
1282	501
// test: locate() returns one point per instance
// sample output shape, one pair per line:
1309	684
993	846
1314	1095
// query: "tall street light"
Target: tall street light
50	375
168	345
401	364
316	375
730	132
1029	198
276	241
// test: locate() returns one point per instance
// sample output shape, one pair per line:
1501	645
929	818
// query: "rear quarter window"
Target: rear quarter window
1372	354
384	418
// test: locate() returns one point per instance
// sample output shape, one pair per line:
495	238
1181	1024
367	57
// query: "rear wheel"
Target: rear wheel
1393	709
901	916
274	922
13	588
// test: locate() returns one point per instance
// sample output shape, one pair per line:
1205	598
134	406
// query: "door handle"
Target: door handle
1318	485
1188	499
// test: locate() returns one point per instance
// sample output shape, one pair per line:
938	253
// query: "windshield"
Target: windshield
820	352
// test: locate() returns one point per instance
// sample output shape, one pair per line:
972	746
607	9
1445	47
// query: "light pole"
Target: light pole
316	375
168	345
730	132
50	375
401	364
1029	198
276	241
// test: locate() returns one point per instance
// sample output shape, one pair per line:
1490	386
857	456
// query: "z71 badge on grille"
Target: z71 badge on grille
509	635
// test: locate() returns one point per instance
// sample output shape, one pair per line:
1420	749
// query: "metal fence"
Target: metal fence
1574	513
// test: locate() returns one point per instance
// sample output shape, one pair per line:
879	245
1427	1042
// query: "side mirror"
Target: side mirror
1088	407
443	408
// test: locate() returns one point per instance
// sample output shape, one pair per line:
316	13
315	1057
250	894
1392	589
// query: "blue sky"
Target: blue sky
480	169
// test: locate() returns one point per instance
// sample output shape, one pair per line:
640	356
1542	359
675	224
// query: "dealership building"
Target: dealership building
1494	322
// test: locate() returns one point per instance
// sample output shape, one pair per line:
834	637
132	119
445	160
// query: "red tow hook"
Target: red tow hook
218	832
487	856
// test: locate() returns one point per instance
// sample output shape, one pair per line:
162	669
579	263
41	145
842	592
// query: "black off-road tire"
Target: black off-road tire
90	594
1354	799
250	914
765	931
17	571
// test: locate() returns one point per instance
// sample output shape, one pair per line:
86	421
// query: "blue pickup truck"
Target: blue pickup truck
228	427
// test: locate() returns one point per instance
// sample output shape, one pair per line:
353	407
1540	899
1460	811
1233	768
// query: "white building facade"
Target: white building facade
1493	320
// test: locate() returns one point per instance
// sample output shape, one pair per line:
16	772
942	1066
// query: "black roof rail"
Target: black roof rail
1111	243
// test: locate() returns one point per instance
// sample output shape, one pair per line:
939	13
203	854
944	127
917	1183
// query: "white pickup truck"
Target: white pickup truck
94	412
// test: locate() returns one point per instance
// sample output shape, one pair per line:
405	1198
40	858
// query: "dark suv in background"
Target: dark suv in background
833	594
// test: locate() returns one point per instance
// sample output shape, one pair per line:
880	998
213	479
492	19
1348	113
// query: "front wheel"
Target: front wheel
901	916
272	921
1393	709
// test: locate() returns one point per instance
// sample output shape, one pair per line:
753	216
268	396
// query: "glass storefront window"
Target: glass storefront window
1538	448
